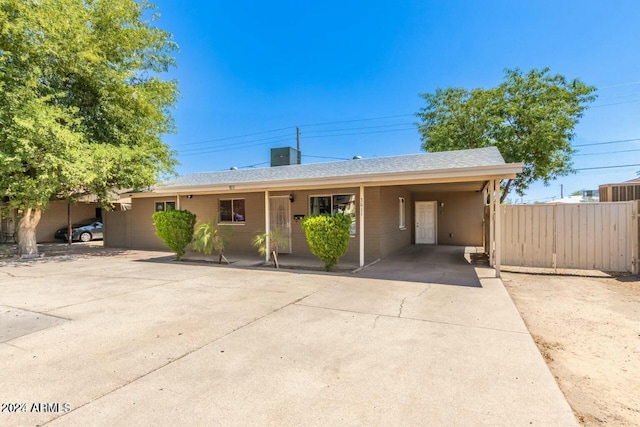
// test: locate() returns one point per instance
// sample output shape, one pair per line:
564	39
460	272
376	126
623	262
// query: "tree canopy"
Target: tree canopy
530	118
82	106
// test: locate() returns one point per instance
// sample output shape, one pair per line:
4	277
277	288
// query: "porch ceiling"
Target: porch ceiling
446	187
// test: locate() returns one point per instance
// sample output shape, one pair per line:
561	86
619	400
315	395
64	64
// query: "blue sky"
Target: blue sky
348	74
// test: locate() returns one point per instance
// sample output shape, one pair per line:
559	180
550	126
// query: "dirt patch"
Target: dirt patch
588	331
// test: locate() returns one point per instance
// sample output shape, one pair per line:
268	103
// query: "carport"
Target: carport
462	214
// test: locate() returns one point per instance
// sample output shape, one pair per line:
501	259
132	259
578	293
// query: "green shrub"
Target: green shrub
175	228
328	236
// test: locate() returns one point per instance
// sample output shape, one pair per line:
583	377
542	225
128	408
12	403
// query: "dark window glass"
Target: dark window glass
341	203
232	210
238	210
225	210
320	205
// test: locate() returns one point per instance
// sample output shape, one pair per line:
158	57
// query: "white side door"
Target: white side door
280	217
426	223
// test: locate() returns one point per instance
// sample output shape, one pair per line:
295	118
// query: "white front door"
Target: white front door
426	223
280	218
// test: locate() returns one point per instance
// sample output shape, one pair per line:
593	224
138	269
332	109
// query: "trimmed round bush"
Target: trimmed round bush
175	229
328	236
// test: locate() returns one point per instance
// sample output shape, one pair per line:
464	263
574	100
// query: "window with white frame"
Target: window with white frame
165	206
232	210
402	213
333	204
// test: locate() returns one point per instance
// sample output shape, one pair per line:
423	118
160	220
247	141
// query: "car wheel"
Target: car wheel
85	237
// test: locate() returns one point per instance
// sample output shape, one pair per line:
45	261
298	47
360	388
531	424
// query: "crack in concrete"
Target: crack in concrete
14	346
178	358
415	296
402	306
416	319
375	323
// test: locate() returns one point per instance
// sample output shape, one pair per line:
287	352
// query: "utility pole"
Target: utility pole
561	192
298	138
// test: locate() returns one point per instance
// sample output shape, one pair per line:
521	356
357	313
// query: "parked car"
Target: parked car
84	231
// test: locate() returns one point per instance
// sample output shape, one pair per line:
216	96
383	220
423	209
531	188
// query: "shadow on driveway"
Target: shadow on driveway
445	265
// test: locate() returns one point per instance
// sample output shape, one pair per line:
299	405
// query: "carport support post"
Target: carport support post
492	225
498	226
267	224
69	224
362	226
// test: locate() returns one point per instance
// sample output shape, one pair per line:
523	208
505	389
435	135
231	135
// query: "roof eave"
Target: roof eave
506	171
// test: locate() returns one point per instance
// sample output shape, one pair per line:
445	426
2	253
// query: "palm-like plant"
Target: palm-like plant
278	239
207	238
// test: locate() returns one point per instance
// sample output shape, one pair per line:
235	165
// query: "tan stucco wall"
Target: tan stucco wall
142	233
117	228
206	209
55	217
459	222
382	221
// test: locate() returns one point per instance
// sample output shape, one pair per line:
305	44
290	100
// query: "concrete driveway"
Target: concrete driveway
119	340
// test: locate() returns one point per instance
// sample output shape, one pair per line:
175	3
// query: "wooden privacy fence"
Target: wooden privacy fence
590	236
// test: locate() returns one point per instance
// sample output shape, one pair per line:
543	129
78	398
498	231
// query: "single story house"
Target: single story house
621	192
443	198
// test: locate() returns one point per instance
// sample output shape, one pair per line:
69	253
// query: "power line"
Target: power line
608	167
601	154
619	85
360	133
293	128
325	157
619	96
233	137
615	103
607	142
358	128
225	149
272	138
254	165
358	120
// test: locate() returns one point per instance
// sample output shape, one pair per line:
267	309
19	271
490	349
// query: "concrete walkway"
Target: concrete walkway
117	340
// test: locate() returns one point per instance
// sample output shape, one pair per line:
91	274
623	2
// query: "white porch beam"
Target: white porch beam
267	225
361	225
498	227
492	227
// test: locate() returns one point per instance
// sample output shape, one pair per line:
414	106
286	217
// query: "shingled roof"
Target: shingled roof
380	166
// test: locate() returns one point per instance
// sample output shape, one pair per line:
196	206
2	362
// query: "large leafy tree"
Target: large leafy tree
82	106
530	118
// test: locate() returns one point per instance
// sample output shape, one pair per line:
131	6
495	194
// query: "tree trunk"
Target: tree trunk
505	191
27	244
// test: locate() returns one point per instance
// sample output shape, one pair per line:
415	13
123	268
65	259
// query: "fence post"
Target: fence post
554	244
635	239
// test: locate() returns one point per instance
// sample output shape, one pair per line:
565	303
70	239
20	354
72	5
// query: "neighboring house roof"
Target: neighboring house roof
631	181
445	165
